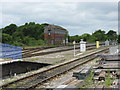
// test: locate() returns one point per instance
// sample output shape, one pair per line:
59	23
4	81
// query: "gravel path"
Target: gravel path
56	58
55	49
63	78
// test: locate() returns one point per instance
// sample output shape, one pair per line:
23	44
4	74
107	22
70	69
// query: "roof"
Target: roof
56	26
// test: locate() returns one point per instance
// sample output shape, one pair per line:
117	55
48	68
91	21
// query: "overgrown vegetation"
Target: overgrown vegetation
99	35
29	34
89	82
32	34
108	80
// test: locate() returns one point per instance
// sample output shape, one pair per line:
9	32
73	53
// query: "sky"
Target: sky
77	17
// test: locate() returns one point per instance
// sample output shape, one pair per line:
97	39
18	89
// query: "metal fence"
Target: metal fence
10	52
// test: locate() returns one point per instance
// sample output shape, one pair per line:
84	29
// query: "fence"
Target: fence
10	52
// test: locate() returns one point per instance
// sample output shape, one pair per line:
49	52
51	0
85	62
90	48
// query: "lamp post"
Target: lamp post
49	34
74	46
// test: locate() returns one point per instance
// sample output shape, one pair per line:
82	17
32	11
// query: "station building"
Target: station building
55	34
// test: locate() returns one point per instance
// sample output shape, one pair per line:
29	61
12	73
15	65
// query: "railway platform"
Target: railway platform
58	57
6	61
68	57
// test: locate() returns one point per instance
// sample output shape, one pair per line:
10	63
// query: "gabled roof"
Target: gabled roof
56	27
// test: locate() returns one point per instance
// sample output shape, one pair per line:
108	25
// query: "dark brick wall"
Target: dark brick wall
57	38
57	34
20	67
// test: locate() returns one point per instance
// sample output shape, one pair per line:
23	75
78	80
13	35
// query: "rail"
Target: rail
31	52
33	80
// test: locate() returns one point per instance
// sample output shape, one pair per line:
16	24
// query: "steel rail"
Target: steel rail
35	79
50	52
28	52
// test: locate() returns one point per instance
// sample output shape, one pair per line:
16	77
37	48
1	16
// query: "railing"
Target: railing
10	52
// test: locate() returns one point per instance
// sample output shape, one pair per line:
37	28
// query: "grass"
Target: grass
89	81
98	59
34	59
31	59
108	80
5	59
39	46
60	61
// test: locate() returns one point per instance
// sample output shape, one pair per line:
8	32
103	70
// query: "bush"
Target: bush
32	41
17	44
118	38
6	38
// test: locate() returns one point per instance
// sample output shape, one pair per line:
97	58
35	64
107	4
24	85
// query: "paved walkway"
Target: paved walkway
4	61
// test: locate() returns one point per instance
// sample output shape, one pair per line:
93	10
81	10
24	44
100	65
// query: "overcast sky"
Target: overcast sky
76	17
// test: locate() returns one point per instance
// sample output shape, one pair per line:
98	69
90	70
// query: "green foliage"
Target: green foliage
99	35
9	29
75	38
112	35
0	35
88	82
85	36
33	34
17	43
31	41
118	38
92	39
28	34
6	38
108	80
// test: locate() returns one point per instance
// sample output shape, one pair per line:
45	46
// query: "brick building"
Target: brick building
55	34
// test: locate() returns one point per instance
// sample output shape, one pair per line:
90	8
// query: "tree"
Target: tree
99	35
111	35
75	38
9	29
25	34
118	38
6	38
92	39
85	36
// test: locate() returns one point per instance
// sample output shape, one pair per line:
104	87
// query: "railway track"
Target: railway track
33	80
35	52
31	50
40	48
